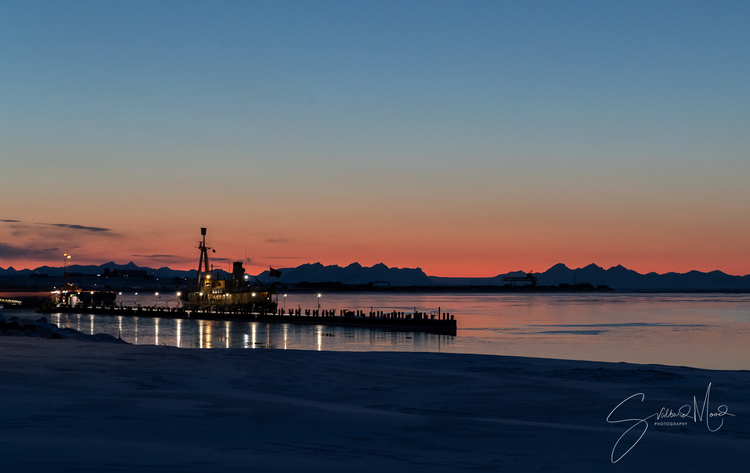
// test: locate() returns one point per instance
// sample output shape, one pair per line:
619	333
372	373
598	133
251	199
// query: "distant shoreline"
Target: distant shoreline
335	289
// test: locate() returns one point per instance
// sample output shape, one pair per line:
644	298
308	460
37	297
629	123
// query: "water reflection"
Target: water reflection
701	330
200	333
186	333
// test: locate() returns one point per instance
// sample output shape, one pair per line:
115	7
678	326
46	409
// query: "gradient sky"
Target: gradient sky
465	138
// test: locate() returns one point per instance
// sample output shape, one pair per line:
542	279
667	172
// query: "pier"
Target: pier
434	322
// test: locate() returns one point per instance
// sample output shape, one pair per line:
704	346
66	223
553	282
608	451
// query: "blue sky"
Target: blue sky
511	134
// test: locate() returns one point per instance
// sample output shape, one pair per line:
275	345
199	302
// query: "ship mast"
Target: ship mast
203	262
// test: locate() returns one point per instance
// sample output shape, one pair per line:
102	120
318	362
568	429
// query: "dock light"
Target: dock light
179	294
120	294
157	294
284	302
208	276
253	294
318	301
200	293
247	276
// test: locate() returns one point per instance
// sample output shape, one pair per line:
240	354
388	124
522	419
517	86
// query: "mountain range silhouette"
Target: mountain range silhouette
617	277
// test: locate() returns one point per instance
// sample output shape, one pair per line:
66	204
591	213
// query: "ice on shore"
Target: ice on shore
40	328
104	407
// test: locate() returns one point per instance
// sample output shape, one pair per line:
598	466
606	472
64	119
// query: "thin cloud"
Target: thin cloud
278	240
286	257
79	227
158	256
10	221
165	259
22	252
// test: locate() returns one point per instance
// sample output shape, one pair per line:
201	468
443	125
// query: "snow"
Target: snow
25	327
71	405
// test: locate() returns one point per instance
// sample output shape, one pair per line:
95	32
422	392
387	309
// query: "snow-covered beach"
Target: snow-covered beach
70	405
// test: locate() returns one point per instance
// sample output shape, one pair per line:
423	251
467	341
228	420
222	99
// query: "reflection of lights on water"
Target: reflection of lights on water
246	341
286	330
156	330
92	323
78	327
254	331
136	331
320	337
208	335
200	333
179	331
119	321
226	336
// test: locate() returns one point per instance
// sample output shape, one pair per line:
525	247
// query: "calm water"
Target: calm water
699	330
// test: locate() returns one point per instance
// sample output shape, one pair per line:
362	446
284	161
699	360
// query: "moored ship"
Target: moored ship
210	291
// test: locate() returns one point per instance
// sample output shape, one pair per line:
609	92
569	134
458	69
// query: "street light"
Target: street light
157	299
318	301
285	303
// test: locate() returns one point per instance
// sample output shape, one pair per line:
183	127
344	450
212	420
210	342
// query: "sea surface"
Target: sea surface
697	330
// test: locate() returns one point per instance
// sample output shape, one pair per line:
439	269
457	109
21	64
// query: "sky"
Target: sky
464	138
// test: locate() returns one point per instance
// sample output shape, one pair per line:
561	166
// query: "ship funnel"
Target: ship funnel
238	272
203	231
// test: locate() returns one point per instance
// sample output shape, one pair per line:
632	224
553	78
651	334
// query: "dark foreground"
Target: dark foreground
83	406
